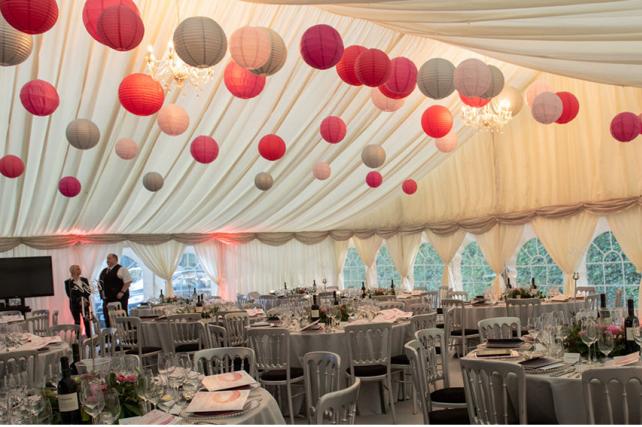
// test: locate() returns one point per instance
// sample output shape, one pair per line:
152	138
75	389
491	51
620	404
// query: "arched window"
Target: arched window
428	268
386	270
190	275
533	261
476	274
354	271
608	268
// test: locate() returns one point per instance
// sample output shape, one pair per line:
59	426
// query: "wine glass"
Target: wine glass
605	343
153	389
39	406
92	398
588	335
637	337
111	410
166	366
185	362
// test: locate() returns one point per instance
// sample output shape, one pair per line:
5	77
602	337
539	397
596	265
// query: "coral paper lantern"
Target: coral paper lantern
625	127
547	107
271	147
373	156
321	171
537	87
173	120
39	97
345	67
200	42
153	181
15	47
263	181
570	107
251	47
372	67
472	77
94	8
241	82
402	80
333	129
30	16
278	55
126	149
82	134
204	149
321	46
69	186
474	101
435	78
140	94
120	28
437	121
384	103
374	179
11	166
409	186
447	143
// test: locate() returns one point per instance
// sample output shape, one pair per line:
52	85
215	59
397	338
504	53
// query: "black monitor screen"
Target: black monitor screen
26	277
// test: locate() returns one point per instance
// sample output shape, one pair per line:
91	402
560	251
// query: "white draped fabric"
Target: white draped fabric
498	245
340	251
627	228
446	247
367	249
403	249
211	256
161	259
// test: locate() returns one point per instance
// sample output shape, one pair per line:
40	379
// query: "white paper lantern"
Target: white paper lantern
321	170
435	78
153	181
511	98
373	156
263	181
384	103
472	77
278	55
251	47
83	134
15	47
126	149
200	42
547	107
173	120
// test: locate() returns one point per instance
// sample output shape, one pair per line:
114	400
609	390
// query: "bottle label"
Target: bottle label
314	314
629	334
68	402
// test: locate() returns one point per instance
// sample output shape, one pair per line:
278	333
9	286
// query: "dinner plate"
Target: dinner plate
202	417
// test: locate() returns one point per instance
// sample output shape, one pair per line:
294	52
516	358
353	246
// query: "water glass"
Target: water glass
39	406
111	411
588	334
605	343
92	398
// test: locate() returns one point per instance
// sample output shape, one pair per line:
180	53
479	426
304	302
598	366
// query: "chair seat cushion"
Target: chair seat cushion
457	332
449	395
402	359
144	350
187	347
281	374
440	325
368	370
449	416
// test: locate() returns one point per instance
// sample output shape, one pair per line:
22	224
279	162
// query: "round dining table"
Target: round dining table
474	313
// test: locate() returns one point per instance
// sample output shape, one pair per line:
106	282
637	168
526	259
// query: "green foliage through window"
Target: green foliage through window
428	268
476	274
533	261
386	270
354	271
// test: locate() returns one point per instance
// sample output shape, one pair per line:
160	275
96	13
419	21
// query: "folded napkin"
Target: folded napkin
228	381
560	298
253	312
393	314
154	417
629	359
216	401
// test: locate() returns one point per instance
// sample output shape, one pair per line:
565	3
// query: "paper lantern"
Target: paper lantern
373	156
263	181
83	134
278	55
384	103
472	77
474	101
402	80
570	107
94	8
11	166
345	67
200	42
436	121
436	78
120	28
140	94
625	127
537	87
126	149
39	97
496	82
271	147
447	143
250	47
153	181
30	16
204	149
372	67
510	98
241	82
173	120
321	46
333	129
409	186
374	179
640	116
321	171
69	186
15	47
547	107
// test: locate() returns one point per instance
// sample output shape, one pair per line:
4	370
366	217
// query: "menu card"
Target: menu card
228	381
217	401
392	315
154	417
628	359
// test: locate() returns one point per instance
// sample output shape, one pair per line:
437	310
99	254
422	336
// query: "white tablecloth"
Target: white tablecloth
45	355
475	313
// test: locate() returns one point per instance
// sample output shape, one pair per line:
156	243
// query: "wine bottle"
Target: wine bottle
334	296
194	295
75	354
285	288
508	285
603	313
533	285
392	286
68	396
199	303
363	289
314	310
314	287
630	323
161	297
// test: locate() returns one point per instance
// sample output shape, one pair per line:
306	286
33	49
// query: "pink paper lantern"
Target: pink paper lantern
30	16
120	28
94	8
570	105
437	121
173	120
547	107
345	67
126	149
204	149
409	186
271	147
241	82
39	97
333	129
374	179
640	116
402	80
625	127
321	171
69	186
537	87
384	103
372	67
11	166
321	46
447	143
472	77
251	47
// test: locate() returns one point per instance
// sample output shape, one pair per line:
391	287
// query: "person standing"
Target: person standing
78	291
115	281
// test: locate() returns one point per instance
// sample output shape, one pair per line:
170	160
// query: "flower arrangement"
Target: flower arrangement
573	342
344	314
523	293
382	291
324	316
301	291
126	385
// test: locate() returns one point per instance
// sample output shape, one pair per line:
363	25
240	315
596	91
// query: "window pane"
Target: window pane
386	270
190	275
533	261
428	268
354	271
475	272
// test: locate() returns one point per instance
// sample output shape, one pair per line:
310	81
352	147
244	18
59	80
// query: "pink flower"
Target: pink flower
614	329
126	378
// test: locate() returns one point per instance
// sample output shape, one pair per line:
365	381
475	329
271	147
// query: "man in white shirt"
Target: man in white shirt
115	281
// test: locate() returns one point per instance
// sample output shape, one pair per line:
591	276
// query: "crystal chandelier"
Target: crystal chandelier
492	117
170	70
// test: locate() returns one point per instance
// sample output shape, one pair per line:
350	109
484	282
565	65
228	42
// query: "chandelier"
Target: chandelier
492	117
170	70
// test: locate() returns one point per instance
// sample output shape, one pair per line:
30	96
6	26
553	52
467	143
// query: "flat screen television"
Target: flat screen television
26	277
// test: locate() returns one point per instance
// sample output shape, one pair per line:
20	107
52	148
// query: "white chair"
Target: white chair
613	395
526	309
38	321
381	298
423	321
420	308
499	328
591	302
217	335
236	326
455	315
322	374
54	318
69	333
460	295
487	384
187	336
387	305
130	340
221	360
585	290
184	317
339	407
17	368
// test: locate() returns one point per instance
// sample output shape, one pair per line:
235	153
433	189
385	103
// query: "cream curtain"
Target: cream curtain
566	240
498	245
367	249
340	251
403	249
161	259
627	228
211	256
446	247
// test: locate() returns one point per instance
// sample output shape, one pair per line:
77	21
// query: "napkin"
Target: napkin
217	401
629	359
227	381
253	312
560	297
154	417
393	314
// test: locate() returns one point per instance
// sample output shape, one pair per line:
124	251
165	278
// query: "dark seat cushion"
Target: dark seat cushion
369	370
440	310
440	325
187	347
449	416
457	332
281	374
449	395
144	350
402	359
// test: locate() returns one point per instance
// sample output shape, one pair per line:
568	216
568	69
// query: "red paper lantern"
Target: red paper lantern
30	16
241	82
437	121
204	149
625	127
69	186
345	67
39	97
372	67
271	147
140	94
333	129
402	80
409	186
94	8
474	101
120	28
374	179
570	107
321	46
11	166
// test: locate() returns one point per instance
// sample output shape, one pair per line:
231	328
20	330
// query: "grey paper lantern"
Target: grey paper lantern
435	78
263	181
83	134
15	47
153	181
472	77
496	82
200	42
278	55
373	156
